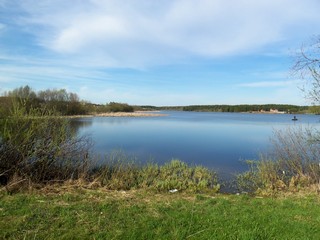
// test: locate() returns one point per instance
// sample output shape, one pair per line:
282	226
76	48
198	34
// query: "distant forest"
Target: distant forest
248	108
240	108
65	103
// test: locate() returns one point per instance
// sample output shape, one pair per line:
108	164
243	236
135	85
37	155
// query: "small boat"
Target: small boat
294	118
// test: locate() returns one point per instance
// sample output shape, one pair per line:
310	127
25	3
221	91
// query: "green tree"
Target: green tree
119	107
25	92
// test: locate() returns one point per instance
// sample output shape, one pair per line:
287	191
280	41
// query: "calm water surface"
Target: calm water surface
216	140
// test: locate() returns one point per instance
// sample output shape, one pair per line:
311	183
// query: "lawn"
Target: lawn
101	214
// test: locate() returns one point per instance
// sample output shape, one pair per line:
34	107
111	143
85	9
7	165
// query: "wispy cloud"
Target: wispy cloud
267	84
137	33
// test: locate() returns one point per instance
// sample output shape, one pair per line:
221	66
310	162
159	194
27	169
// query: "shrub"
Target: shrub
38	147
293	164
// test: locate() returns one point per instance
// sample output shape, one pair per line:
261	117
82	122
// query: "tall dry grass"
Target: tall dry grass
293	164
122	172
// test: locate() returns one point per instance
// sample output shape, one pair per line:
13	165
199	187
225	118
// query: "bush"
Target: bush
38	147
293	165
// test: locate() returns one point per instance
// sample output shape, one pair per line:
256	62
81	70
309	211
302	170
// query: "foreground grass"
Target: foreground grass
100	214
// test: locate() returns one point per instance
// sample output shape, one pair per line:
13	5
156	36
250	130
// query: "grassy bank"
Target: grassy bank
70	213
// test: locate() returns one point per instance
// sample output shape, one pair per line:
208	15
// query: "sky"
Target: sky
160	52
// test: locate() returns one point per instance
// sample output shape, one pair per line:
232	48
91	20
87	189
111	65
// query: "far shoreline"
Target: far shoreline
157	113
122	114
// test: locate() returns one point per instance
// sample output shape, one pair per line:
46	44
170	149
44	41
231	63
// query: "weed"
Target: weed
122	173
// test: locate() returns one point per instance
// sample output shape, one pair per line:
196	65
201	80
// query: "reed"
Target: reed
293	164
121	172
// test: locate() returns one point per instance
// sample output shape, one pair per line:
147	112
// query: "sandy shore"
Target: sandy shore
123	114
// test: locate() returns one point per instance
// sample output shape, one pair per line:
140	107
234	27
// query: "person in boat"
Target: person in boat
294	118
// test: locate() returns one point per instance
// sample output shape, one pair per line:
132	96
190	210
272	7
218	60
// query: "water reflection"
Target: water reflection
78	123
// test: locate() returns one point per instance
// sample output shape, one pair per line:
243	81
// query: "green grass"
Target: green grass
101	214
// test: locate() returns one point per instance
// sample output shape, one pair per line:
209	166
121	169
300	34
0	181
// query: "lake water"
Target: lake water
221	141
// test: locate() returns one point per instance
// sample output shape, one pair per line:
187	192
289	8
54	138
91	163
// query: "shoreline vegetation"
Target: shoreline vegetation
38	145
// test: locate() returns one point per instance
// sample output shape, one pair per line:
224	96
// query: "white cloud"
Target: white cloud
46	71
78	43
142	32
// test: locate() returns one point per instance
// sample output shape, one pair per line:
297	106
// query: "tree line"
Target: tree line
286	108
247	108
59	101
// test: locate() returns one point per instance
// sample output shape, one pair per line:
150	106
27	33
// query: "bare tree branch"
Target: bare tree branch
307	67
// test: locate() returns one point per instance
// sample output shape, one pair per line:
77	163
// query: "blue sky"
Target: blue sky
166	52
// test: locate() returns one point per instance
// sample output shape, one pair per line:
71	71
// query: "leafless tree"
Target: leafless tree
307	67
